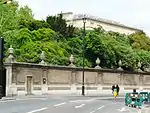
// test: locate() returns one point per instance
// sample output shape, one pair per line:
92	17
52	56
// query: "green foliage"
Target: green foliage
8	17
139	40
58	24
37	24
144	57
24	17
111	47
18	38
97	46
29	37
44	34
29	52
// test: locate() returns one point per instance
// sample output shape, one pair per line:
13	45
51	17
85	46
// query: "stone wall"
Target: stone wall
68	80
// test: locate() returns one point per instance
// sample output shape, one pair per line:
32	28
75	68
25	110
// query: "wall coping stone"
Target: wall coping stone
33	65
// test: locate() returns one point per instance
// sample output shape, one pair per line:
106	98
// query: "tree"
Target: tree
17	38
58	24
44	34
8	17
30	52
96	46
29	37
139	40
25	17
37	24
110	47
143	57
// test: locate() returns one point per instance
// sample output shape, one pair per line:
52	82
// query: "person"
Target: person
113	87
117	87
115	93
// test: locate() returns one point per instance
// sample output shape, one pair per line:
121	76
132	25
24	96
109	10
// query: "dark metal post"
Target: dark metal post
1	65
1	51
83	44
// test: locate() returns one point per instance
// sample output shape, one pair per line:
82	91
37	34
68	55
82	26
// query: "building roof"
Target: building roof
94	18
66	13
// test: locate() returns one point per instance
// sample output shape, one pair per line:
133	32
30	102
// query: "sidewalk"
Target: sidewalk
23	97
63	95
7	98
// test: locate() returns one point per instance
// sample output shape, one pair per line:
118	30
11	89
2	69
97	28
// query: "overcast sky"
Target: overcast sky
135	13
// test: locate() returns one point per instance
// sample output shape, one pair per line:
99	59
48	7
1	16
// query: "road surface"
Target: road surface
65	104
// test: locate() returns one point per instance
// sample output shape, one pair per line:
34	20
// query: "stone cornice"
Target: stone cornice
33	65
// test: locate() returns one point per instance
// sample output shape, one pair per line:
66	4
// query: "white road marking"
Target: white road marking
97	109
93	111
72	101
60	104
37	110
122	109
100	107
79	106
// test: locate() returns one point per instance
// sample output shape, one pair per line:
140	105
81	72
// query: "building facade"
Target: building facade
95	22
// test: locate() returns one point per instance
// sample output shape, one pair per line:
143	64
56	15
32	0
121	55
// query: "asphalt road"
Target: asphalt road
65	104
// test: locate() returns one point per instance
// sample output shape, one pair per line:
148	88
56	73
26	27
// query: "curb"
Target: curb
5	99
47	96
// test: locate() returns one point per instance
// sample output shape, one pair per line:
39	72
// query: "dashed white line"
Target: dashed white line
97	109
79	106
100	107
34	111
93	111
60	104
90	99
72	101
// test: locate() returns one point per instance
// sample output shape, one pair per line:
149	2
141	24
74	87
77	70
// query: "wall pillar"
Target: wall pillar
121	82
73	82
140	82
44	82
44	89
11	89
99	82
